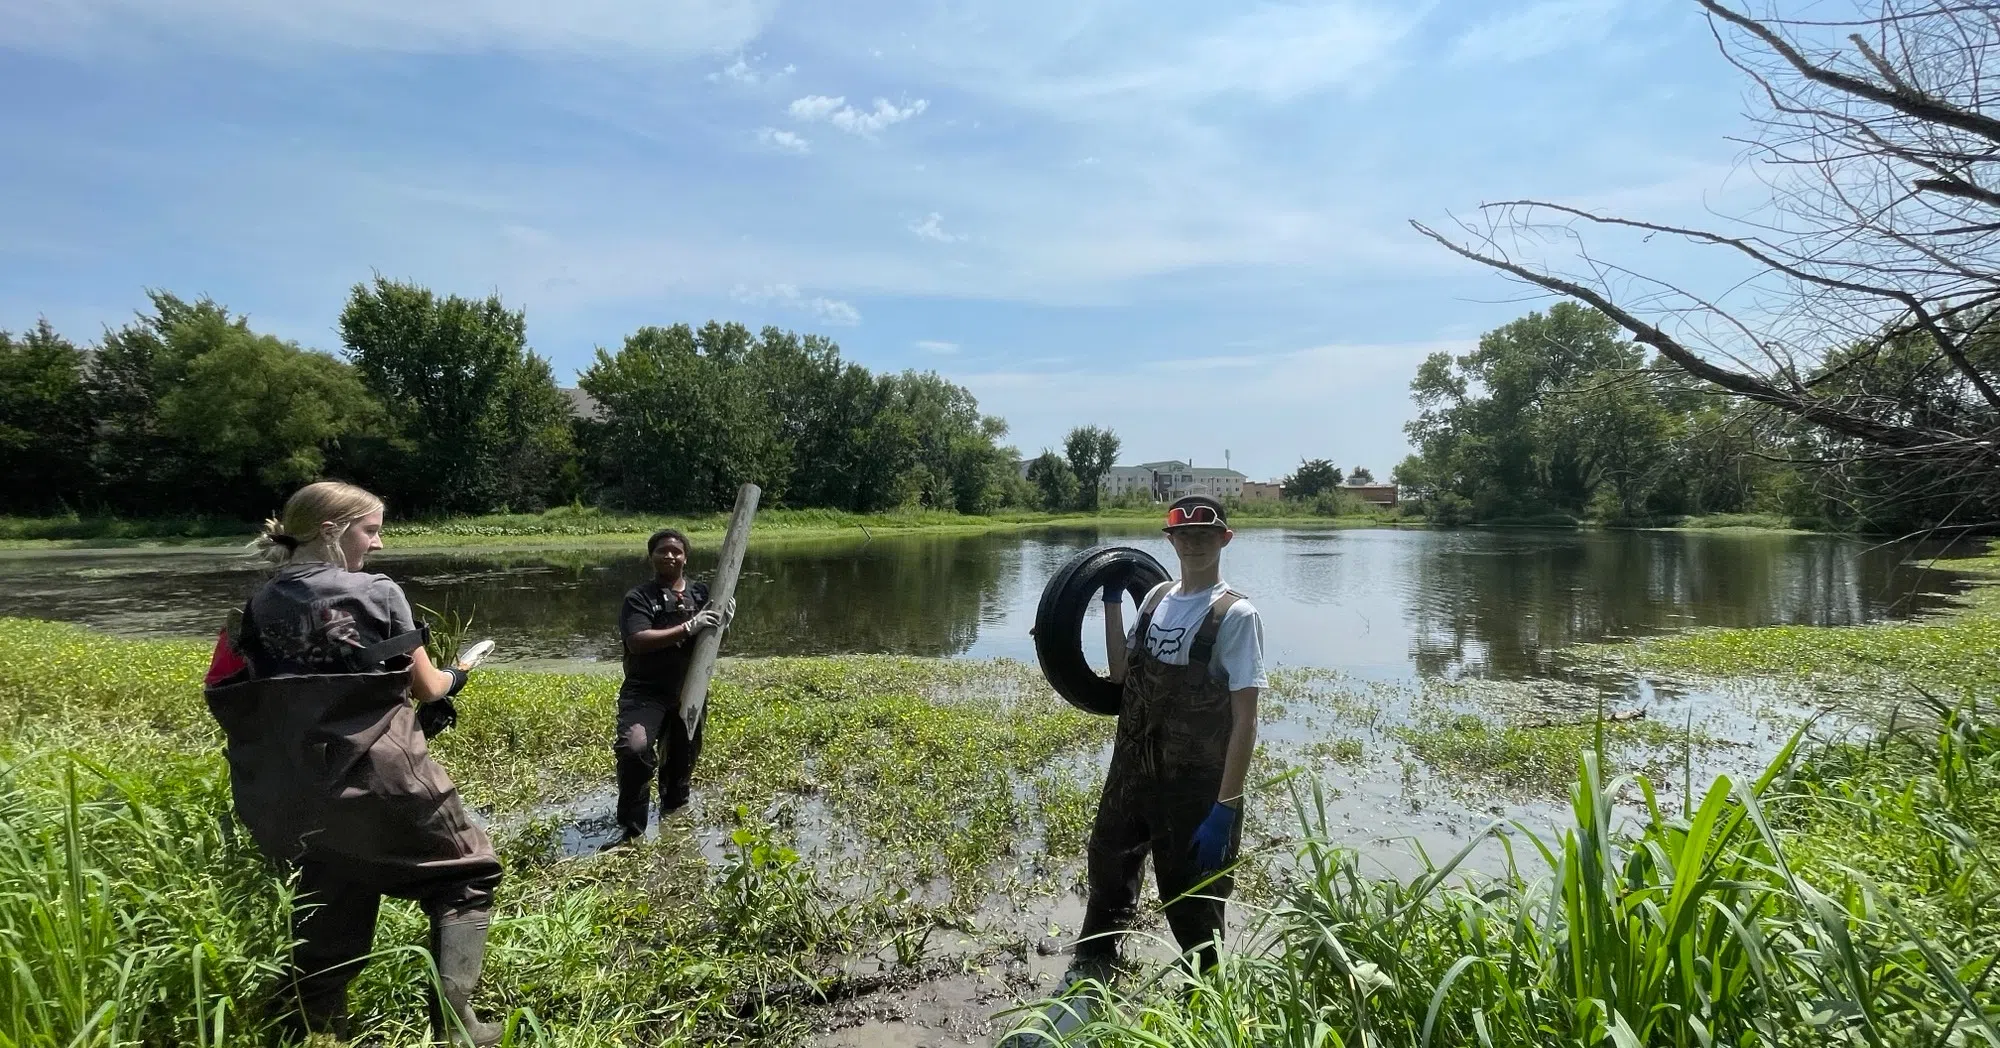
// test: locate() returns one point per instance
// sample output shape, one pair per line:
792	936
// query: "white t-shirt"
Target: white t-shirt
1239	644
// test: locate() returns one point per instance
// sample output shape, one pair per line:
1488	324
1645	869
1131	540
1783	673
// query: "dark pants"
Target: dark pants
650	734
1153	812
335	909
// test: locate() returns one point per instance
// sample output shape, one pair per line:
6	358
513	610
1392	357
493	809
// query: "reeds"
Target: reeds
1694	927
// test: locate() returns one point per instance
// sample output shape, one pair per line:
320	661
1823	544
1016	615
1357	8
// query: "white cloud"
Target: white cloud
933	346
1535	30
815	107
784	140
636	27
743	70
932	228
1081	59
866	123
787	296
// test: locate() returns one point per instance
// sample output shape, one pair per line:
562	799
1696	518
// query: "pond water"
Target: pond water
1379	604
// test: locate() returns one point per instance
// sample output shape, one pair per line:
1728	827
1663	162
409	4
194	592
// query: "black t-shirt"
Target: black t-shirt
651	606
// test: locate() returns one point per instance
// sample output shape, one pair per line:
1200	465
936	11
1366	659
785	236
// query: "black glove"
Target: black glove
1114	590
458	679
434	717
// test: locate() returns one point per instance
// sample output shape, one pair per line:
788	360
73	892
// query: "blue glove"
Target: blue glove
1114	592
1210	847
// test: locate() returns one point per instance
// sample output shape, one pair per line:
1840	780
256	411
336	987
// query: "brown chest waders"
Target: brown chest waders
332	776
1166	771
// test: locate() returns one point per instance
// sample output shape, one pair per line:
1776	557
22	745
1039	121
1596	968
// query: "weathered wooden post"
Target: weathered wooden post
701	665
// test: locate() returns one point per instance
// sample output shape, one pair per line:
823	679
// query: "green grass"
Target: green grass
1739	918
1954	656
1532	760
133	912
1848	896
1759	521
587	527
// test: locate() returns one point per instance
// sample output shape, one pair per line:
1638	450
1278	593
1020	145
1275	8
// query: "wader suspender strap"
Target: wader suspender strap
359	660
1204	641
368	658
1146	618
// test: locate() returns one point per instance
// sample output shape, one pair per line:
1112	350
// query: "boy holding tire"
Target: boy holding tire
1190	671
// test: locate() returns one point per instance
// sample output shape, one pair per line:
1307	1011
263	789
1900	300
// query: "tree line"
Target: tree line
1556	416
1848	368
438	403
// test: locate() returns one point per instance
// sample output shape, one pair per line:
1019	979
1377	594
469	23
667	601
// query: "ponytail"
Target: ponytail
310	506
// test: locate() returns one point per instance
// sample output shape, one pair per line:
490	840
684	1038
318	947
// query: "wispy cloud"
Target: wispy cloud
932	346
864	122
868	123
815	107
743	70
654	27
1537	29
788	296
1096	60
932	228
780	139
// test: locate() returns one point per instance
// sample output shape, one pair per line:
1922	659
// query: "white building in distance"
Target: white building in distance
1170	479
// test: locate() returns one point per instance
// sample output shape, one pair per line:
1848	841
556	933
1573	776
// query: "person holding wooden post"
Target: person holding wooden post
658	624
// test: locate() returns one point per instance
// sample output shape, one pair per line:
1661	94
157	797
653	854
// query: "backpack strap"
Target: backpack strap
1204	641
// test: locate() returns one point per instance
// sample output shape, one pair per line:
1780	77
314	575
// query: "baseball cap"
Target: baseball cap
1196	511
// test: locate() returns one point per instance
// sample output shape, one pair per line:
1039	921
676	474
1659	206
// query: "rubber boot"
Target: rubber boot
297	1025
458	944
317	1003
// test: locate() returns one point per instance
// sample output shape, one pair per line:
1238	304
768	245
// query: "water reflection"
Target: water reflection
1376	603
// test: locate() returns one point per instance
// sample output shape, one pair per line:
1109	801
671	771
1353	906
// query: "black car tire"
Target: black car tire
1058	628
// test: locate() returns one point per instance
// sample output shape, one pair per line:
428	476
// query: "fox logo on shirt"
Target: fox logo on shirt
1165	642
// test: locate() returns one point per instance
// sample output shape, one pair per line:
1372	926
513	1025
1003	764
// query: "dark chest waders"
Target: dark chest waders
333	777
651	741
1166	771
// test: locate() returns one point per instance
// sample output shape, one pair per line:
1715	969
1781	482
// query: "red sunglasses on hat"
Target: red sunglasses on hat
1186	516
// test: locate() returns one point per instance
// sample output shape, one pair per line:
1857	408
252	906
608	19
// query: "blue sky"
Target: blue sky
1186	221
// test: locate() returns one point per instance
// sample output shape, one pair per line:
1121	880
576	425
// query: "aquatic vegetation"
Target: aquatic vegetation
1536	760
138	914
1954	656
1733	923
1846	897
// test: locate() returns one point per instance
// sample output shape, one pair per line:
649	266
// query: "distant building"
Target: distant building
1262	490
582	405
1373	494
1169	479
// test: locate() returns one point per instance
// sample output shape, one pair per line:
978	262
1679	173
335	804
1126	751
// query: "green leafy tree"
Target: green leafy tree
257	407
822	407
685	423
1360	475
1090	452
442	366
534	446
196	412
1611	433
46	422
1481	428
141	469
1053	478
1312	477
